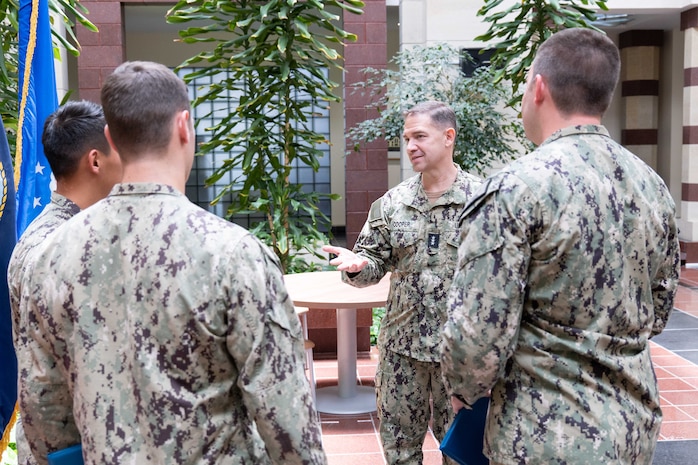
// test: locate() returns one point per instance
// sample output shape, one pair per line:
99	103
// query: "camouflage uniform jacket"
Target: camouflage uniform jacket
568	266
60	210
173	334
417	242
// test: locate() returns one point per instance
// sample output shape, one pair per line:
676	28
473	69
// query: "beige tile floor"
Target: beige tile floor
353	439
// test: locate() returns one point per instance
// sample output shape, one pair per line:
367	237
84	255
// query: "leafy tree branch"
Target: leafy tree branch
488	132
517	31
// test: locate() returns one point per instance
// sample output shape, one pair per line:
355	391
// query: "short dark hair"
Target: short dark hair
581	67
71	131
441	114
140	100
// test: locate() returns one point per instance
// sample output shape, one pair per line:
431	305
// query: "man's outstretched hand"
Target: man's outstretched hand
346	260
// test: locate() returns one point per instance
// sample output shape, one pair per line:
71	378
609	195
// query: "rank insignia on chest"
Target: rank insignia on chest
433	240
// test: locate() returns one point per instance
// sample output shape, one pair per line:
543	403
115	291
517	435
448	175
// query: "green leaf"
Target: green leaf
302	28
269	66
281	44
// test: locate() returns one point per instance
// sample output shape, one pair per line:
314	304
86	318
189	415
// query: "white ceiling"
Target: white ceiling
151	18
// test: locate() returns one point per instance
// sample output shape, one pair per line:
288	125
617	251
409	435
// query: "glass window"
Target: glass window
211	113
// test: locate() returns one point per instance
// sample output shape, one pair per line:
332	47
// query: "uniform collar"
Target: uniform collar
64	203
141	188
453	195
577	130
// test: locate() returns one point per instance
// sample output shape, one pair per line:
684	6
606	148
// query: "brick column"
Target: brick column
640	58
367	170
100	52
688	222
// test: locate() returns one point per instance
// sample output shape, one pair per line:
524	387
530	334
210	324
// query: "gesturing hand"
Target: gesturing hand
346	260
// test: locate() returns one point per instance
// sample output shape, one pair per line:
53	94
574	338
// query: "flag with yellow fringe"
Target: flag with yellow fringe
32	174
8	237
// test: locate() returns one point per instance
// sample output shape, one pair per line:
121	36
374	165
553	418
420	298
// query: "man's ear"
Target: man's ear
93	160
183	126
450	134
541	88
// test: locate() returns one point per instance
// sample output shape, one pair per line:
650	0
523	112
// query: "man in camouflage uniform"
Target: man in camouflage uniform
412	231
568	265
169	328
85	169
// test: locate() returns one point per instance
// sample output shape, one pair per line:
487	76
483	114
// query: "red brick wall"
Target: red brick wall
322	330
103	51
367	170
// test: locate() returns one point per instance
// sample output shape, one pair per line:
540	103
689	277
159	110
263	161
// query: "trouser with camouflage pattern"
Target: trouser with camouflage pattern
403	389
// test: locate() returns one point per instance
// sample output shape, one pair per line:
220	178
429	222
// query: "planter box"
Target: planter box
322	330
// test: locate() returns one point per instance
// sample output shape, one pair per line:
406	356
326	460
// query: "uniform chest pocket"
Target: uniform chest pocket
403	239
405	246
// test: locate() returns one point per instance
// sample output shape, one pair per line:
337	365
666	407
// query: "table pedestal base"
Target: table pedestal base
328	401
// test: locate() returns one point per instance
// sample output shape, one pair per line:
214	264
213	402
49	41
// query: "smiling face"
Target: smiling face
428	146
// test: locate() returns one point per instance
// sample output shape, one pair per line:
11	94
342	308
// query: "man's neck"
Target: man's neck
439	180
556	124
154	171
78	191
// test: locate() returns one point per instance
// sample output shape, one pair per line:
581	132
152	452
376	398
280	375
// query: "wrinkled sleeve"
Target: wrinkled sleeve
373	244
666	280
14	286
46	405
267	345
486	298
14	275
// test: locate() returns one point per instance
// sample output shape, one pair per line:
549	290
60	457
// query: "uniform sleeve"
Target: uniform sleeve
485	301
14	275
373	244
13	286
666	279
46	406
267	345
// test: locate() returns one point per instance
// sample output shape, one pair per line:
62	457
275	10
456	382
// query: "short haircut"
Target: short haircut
70	132
581	68
441	114
140	100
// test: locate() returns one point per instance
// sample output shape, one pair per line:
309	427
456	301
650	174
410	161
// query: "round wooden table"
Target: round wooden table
325	289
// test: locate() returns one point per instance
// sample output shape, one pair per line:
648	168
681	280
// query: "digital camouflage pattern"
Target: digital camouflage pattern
417	241
60	210
568	266
403	387
172	332
396	239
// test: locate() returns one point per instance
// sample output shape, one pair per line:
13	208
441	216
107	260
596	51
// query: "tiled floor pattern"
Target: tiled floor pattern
353	439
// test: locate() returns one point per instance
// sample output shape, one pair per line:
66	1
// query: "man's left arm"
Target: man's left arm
486	298
266	343
45	399
666	279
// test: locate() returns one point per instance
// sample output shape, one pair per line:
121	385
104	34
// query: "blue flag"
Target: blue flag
8	237
37	100
32	174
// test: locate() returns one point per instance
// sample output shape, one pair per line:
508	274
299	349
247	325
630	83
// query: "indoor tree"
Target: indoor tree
515	32
487	131
269	53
